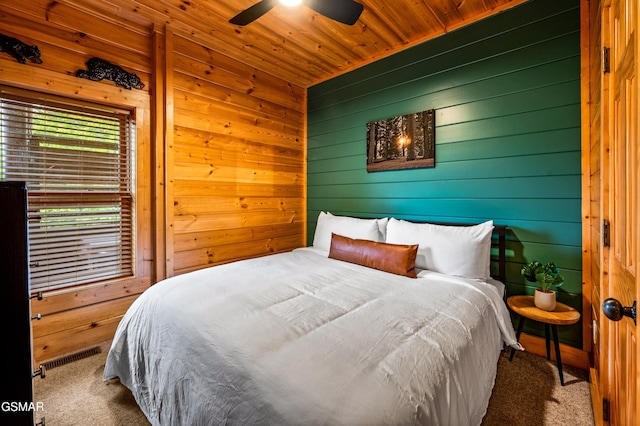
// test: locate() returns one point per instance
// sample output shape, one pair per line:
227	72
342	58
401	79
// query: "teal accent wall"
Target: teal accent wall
506	91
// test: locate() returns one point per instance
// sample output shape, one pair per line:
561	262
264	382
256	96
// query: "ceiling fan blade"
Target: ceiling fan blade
254	12
345	11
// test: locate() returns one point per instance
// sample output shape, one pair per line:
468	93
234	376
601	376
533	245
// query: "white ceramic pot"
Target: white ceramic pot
544	300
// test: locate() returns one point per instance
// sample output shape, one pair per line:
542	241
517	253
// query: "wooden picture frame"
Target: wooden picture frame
402	142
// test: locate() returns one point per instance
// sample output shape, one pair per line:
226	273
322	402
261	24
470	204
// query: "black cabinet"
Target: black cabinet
16	385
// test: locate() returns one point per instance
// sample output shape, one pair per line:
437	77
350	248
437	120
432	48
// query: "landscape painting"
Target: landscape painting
402	142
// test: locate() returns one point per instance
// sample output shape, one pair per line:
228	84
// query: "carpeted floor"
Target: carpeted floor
527	393
75	394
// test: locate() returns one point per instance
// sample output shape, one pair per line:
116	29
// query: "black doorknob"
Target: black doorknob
614	310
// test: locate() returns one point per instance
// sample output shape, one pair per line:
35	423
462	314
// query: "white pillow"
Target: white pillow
382	227
351	227
463	251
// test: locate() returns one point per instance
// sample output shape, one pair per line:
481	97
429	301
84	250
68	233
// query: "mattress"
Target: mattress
299	338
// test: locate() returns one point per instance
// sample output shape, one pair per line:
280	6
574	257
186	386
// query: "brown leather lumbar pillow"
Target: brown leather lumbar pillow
398	259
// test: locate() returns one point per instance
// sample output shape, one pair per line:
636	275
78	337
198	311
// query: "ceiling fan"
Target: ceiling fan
345	11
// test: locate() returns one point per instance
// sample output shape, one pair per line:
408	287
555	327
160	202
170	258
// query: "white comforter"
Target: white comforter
301	339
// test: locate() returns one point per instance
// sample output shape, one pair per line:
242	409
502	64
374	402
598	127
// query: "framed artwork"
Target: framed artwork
402	142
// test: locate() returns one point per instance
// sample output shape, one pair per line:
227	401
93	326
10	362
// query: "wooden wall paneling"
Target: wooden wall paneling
224	89
601	85
144	257
251	93
192	260
237	157
196	111
87	296
229	222
592	192
258	187
195	206
215	220
224	172
169	126
197	145
67	37
53	346
47	81
201	240
597	199
585	118
207	64
158	132
68	330
205	188
65	320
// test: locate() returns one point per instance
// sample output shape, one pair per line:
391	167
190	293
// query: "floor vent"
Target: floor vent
72	357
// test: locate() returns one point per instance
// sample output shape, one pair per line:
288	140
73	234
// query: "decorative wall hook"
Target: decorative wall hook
99	69
19	50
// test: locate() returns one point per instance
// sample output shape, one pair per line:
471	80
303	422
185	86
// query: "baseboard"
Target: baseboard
570	356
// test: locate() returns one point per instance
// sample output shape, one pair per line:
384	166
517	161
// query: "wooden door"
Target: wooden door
622	367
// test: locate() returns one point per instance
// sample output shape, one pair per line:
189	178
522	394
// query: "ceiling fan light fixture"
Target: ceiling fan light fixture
291	3
344	11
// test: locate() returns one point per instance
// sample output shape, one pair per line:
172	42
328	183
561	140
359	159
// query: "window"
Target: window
77	162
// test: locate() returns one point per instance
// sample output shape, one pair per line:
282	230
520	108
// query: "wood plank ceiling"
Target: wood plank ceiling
297	44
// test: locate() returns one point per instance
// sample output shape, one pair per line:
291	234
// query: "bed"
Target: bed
348	331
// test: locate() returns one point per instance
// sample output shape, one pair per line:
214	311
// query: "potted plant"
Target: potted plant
548	276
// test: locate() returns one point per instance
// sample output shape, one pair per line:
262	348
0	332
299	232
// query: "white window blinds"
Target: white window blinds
76	160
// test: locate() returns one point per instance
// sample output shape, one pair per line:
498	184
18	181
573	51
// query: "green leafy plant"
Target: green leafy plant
547	275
